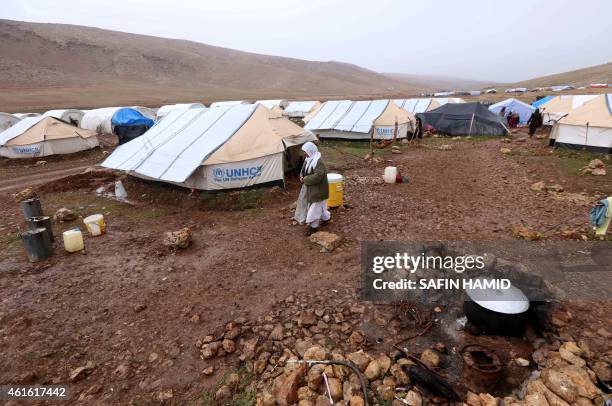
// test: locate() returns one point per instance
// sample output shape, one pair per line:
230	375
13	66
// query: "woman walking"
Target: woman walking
535	122
314	177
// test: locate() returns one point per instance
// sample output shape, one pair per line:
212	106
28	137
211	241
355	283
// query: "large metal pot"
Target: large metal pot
497	311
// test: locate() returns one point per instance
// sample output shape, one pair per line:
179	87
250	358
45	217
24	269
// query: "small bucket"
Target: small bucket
336	190
95	224
42	222
37	244
31	208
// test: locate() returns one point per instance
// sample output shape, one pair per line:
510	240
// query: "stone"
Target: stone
356	339
208	371
384	362
180	239
386	392
79	373
315	376
556	188
208	351
360	359
335	388
603	371
305	402
536	399
569	351
569	382
473	399
431	358
505	151
123	371
322	400
223	393
521	362
64	214
372	371
414	398
315	353
285	387
233	333
329	241
536	386
165	395
538	187
356	401
399	374
487	400
277	334
229	346
153	357
595	167
305	393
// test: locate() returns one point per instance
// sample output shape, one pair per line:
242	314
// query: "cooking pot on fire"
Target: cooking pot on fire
496	311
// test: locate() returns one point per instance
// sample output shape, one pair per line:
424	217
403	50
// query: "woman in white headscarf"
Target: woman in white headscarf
315	192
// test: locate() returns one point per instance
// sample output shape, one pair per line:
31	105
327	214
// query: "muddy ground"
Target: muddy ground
126	296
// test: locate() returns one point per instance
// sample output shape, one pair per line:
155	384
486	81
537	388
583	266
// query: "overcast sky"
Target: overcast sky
477	39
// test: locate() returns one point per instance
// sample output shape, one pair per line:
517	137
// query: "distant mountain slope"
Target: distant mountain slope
44	65
439	83
579	77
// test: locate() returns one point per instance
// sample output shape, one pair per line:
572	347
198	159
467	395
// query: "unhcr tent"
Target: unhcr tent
354	120
588	126
164	110
300	109
220	148
273	103
541	102
128	123
524	110
228	103
43	136
71	116
8	120
99	120
463	119
560	106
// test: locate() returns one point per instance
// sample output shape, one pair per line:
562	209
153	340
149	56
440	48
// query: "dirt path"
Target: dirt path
15	183
127	297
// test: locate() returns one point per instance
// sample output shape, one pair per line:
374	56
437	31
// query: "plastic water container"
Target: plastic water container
336	189
390	174
73	240
95	224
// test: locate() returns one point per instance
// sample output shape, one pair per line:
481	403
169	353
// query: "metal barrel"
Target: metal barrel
37	244
31	208
42	222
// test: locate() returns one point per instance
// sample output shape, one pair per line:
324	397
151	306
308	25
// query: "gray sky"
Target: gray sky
477	39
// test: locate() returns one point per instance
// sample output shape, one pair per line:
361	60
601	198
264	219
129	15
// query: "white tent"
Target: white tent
164	110
273	103
524	110
588	126
417	105
8	120
99	120
71	116
43	136
146	111
228	103
24	115
300	109
212	149
355	120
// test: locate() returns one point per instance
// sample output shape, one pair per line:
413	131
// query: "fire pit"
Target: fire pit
481	368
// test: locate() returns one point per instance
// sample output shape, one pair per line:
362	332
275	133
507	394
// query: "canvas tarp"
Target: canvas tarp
417	105
542	101
524	110
228	103
43	136
99	120
219	148
561	106
355	119
587	126
164	110
463	119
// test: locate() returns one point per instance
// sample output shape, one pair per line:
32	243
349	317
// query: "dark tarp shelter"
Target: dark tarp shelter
463	119
128	123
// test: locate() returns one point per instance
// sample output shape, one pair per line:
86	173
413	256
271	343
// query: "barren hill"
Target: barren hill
439	83
56	65
579	77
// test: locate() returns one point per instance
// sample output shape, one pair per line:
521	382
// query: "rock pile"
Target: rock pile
178	239
596	167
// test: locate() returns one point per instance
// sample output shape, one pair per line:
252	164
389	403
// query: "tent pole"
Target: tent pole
471	122
586	137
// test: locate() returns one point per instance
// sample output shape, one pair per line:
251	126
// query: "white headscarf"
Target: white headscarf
312	156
